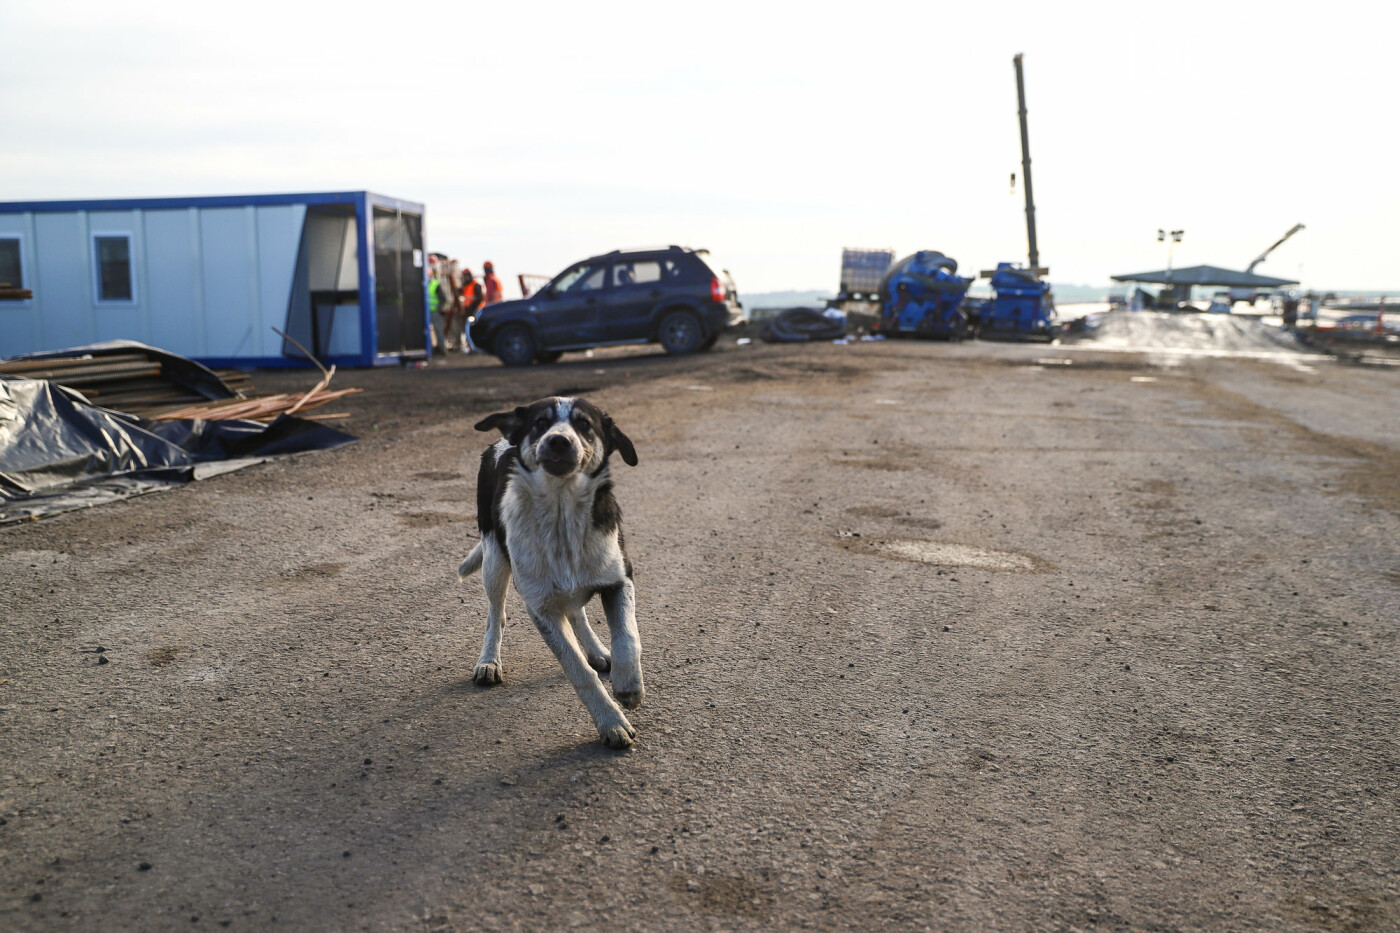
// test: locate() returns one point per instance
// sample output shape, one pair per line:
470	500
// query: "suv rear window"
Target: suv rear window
663	270
692	268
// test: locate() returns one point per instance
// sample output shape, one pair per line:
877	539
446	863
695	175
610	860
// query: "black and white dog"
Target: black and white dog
545	507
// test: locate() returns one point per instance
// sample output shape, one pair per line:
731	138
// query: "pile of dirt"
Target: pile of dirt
1213	334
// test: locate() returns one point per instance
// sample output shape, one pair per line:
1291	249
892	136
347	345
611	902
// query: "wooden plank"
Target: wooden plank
87	372
134	385
97	378
70	362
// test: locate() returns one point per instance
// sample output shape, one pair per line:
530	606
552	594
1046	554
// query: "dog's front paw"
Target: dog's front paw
617	734
630	699
487	675
628	686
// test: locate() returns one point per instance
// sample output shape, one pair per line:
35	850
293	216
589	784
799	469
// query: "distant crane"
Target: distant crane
1249	294
1279	242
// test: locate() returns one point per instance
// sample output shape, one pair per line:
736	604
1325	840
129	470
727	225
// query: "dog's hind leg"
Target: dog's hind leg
619	604
593	650
612	723
496	577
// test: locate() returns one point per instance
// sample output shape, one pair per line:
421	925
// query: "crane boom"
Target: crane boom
1281	240
1026	167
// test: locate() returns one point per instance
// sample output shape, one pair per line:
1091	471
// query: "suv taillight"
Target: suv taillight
716	290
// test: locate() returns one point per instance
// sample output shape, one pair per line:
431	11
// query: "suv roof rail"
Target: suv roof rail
653	249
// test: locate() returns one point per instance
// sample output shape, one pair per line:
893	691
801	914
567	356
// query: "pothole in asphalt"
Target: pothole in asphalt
949	554
958	555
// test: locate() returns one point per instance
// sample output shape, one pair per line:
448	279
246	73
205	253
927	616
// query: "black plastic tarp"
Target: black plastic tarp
795	325
58	453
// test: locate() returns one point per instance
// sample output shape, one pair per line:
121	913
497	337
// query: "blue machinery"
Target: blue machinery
1023	305
922	295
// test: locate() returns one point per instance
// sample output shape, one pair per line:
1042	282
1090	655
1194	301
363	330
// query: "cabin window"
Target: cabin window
112	252
11	263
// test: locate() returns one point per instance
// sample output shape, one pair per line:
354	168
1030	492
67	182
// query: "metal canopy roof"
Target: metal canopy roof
1205	275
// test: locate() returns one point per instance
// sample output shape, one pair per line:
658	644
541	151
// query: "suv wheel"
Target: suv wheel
680	333
515	345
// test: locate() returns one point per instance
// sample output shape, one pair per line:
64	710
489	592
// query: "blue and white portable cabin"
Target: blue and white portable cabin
344	273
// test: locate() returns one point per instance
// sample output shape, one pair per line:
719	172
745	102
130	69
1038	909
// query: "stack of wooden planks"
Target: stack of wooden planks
258	408
137	384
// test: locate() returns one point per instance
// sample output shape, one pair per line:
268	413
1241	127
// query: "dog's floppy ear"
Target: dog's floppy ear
619	442
507	421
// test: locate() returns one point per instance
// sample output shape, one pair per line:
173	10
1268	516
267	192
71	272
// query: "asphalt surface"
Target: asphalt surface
950	637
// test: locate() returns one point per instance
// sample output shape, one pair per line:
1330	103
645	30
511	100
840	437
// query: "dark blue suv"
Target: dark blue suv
675	296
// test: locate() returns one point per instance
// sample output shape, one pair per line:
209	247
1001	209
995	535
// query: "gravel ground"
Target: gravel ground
951	637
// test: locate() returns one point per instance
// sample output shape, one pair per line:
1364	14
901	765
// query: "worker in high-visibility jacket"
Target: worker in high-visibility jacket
439	299
493	284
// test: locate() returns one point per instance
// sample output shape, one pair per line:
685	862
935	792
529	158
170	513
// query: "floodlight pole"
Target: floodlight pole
1176	236
1026	166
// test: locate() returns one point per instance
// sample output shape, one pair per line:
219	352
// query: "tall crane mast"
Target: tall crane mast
1026	171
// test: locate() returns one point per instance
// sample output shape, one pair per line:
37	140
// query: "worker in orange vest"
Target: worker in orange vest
493	284
472	298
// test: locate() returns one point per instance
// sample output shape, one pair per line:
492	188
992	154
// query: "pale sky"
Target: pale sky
772	134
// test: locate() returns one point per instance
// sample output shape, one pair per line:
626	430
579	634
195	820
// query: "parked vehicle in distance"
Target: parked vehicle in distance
1367	321
677	297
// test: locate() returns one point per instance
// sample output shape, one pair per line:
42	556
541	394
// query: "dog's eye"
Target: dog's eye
542	421
582	426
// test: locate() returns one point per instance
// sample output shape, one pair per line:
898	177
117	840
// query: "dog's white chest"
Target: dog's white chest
554	548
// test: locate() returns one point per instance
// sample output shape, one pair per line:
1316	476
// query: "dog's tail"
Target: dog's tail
472	564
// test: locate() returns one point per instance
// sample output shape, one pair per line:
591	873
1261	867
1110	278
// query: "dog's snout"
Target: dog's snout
557	454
